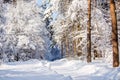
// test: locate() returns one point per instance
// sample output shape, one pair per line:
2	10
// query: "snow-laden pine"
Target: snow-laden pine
74	16
24	35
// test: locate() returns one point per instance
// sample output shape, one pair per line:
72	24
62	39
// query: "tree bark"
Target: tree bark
62	53
114	34
89	33
14	0
75	50
66	44
74	41
67	47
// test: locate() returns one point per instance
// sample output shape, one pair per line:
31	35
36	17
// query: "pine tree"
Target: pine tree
26	34
114	34
89	33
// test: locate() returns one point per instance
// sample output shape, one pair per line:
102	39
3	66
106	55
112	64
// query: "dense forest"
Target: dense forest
59	39
86	30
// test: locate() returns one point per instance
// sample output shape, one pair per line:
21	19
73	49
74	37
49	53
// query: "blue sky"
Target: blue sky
54	15
39	2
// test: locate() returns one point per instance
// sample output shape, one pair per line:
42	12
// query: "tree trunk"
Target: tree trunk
114	34
74	42
89	33
67	46
62	53
75	50
14	2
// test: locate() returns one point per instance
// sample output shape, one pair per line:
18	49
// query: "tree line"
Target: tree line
73	29
69	41
114	33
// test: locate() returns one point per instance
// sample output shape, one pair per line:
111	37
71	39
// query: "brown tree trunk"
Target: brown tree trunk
67	45
114	34
74	42
62	53
14	0
67	54
89	33
75	50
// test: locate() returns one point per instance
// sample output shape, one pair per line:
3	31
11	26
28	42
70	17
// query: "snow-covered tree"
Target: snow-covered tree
73	25
2	29
25	31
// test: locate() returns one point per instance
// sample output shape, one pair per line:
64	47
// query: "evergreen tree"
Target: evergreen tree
114	34
26	36
89	33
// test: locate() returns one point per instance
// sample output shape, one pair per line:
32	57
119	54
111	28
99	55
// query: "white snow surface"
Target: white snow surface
63	69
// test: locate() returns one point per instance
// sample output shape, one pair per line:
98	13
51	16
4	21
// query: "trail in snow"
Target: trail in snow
83	71
58	70
30	70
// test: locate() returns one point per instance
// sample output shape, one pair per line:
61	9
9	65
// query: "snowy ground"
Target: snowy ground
58	70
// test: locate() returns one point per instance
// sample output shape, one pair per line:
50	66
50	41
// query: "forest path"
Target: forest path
29	70
63	69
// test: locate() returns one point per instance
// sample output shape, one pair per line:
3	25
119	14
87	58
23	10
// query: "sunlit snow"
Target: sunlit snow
58	70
